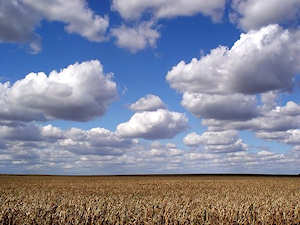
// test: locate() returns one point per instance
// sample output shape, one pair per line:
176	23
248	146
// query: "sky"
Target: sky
99	87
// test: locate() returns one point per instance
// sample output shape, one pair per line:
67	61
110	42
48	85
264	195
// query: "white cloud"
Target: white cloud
16	21
98	137
19	18
290	109
51	132
80	19
274	135
136	38
74	150
291	136
269	100
23	132
296	148
192	139
148	103
222	107
222	141
276	123
79	92
222	87
168	150
132	9
145	34
262	60
159	124
281	118
97	141
253	14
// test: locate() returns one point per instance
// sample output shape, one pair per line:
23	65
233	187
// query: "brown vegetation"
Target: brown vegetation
149	200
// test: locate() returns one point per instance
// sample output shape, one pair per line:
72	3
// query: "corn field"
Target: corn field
149	200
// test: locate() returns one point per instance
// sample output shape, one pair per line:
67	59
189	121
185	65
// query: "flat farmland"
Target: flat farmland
149	200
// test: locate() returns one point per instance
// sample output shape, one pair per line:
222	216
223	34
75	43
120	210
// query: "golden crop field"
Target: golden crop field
149	200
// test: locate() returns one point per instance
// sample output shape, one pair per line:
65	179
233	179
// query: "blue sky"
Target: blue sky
132	87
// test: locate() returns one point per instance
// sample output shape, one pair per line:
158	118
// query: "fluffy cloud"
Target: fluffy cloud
136	38
291	136
281	118
51	132
131	9
269	100
19	18
159	124
280	124
262	60
253	14
270	136
22	132
224	84
148	103
97	137
74	150
97	141
221	107
16	22
223	141
79	92
30	134
168	150
145	35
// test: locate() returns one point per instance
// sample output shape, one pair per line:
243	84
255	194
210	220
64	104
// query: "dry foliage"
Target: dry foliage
149	200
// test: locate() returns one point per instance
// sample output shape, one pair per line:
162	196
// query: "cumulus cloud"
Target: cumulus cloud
131	9
148	103
98	137
51	133
16	21
30	134
270	136
19	18
253	14
224	84
260	61
159	124
79	92
73	150
269	100
281	118
97	141
143	35
222	141
22	132
221	107
168	150
296	148
136	38
291	137
279	123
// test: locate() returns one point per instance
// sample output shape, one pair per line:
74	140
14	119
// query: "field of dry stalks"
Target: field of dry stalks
149	200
